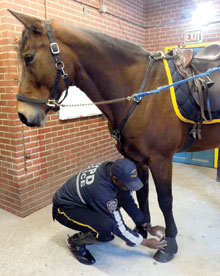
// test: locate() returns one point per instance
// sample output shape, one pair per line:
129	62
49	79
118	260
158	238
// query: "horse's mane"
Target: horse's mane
118	43
131	50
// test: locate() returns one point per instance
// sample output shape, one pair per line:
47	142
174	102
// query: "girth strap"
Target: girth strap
204	100
193	134
116	133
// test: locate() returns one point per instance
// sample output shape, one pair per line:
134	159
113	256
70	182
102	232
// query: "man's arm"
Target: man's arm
120	229
126	201
133	238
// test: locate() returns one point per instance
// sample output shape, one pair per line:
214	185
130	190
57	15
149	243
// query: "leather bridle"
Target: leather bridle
51	101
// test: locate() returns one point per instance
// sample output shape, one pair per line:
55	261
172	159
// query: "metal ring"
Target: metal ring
60	65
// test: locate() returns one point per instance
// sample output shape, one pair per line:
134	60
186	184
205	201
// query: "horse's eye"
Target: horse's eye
28	59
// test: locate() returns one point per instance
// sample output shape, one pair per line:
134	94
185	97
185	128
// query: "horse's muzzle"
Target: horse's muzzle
31	114
34	122
25	121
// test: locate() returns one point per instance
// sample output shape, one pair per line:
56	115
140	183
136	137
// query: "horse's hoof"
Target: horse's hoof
167	254
163	257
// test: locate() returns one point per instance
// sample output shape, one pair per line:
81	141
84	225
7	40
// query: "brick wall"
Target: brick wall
166	26
61	148
53	153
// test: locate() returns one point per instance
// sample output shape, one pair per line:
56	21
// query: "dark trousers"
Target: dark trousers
84	220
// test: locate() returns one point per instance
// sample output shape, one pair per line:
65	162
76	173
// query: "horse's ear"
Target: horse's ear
32	23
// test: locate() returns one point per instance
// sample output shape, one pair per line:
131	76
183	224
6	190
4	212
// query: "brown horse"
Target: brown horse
108	68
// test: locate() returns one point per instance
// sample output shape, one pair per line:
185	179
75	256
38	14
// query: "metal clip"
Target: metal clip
196	131
64	75
52	103
136	98
60	66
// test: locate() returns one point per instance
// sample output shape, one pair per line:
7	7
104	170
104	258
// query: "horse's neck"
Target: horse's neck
104	73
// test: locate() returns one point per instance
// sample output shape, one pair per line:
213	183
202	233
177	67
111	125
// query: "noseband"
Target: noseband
51	101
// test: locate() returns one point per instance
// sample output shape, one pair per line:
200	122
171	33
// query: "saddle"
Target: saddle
205	90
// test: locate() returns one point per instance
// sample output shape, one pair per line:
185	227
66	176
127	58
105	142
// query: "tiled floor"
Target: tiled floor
35	245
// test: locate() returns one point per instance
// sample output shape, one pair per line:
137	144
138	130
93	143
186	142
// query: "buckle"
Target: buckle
54	48
136	98
51	102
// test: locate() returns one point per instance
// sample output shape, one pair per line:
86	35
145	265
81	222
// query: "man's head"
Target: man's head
124	175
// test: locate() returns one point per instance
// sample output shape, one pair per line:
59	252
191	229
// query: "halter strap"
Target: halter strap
51	101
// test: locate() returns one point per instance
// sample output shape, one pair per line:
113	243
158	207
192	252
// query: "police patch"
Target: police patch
112	205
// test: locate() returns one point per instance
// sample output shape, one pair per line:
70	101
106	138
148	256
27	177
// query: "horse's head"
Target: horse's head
43	74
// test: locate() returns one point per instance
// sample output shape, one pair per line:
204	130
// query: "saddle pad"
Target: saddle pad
184	105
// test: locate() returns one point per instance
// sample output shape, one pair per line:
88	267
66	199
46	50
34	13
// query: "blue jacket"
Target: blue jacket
93	187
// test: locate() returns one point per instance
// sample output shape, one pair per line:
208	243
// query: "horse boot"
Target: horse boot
167	254
77	244
141	230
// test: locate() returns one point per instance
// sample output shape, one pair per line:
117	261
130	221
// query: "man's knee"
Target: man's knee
105	229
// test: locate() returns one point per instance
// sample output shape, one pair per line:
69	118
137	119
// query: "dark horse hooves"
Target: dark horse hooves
167	254
163	257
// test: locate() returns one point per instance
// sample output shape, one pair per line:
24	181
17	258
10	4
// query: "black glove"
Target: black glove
141	230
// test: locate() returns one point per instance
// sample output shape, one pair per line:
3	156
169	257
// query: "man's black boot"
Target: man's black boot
82	254
77	244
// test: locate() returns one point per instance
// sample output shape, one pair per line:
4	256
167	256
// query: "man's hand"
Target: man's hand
157	231
154	244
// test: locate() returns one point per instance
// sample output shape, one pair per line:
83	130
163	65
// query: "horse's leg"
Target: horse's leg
161	169
142	195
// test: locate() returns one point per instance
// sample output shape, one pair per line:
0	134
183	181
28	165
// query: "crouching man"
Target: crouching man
90	203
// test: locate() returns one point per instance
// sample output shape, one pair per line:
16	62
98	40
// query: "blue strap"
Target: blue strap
138	96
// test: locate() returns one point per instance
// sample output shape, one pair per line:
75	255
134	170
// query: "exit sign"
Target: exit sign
193	36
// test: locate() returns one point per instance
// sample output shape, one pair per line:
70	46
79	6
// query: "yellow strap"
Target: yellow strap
79	223
173	97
